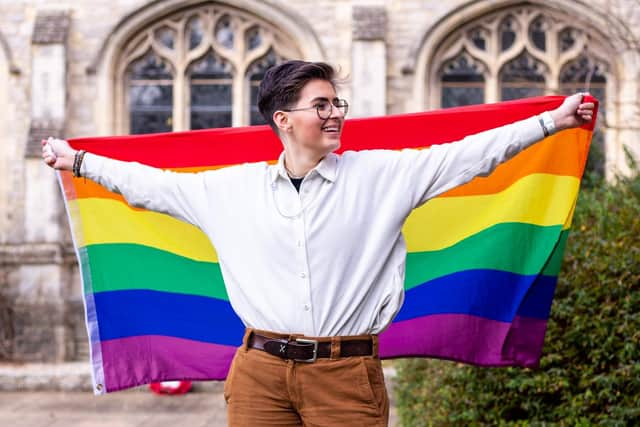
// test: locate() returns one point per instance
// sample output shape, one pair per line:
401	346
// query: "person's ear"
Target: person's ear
281	119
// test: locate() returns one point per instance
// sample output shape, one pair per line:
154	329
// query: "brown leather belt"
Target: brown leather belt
308	350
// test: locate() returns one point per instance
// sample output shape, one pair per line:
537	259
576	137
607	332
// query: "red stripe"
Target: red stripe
258	143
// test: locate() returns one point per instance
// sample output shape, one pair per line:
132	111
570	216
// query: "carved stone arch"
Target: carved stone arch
422	61
107	62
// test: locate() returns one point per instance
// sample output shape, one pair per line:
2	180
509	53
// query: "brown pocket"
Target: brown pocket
229	381
375	383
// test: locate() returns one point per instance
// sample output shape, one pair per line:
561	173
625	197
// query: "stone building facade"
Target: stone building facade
100	67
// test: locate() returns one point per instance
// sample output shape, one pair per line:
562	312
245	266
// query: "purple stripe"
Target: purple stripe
466	338
133	361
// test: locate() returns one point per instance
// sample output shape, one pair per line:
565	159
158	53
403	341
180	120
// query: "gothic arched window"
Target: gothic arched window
197	68
514	53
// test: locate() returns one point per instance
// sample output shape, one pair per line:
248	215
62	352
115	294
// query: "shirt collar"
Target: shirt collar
327	168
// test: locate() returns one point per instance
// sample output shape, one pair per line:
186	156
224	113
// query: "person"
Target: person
311	248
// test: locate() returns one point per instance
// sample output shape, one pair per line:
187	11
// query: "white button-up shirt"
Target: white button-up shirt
329	260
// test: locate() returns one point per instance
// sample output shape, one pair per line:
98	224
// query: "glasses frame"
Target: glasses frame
337	103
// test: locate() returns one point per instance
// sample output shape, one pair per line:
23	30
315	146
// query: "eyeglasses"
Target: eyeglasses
325	108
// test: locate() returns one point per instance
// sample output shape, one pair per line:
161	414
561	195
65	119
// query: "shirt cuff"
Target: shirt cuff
531	131
547	123
90	164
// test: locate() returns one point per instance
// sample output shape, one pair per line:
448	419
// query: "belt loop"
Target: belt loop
374	345
335	348
245	339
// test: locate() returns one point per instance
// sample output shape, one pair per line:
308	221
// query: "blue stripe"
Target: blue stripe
129	313
493	294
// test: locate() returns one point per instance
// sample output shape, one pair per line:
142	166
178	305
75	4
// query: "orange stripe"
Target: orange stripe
86	188
556	155
80	188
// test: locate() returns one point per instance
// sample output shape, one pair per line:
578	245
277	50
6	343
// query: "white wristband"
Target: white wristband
547	123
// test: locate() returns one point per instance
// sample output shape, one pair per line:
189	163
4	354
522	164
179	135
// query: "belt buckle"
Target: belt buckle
315	350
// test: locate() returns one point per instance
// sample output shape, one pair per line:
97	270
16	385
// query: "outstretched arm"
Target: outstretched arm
181	195
431	172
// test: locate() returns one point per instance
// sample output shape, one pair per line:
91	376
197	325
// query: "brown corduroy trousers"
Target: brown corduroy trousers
265	390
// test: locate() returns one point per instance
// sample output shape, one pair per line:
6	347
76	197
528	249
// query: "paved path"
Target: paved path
59	395
122	409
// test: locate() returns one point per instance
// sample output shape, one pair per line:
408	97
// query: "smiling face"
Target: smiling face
305	129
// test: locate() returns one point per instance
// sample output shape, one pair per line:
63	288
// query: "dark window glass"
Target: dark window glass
478	38
195	32
211	93
453	96
538	35
566	39
255	75
150	92
507	33
166	36
462	82
253	38
224	32
522	77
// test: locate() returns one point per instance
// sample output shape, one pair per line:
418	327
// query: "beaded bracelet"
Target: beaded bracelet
77	163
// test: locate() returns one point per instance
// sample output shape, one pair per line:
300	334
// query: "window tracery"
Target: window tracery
197	68
517	52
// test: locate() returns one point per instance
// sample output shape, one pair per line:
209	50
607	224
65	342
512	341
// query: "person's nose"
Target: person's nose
336	113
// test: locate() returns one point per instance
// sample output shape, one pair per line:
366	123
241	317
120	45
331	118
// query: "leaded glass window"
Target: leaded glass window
150	95
522	77
198	68
462	82
210	93
513	53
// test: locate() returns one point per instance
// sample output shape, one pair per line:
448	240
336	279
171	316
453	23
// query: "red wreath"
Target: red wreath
170	387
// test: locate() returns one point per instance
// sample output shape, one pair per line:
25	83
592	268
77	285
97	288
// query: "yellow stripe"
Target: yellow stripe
540	199
111	221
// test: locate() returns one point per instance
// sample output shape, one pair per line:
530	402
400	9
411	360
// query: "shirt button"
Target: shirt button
300	244
303	275
306	307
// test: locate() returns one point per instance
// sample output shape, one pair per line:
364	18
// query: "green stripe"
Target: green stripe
123	266
555	262
514	247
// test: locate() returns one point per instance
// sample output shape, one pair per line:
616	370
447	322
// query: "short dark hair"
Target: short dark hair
281	86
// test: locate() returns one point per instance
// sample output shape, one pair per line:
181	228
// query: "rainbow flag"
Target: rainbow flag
481	269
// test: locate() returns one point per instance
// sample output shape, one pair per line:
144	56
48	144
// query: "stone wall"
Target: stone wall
41	316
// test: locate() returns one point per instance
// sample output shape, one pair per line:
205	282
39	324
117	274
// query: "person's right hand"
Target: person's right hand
58	154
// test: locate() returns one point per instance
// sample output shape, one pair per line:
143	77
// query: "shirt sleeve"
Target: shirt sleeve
442	167
181	195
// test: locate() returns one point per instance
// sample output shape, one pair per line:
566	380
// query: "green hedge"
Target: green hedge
590	370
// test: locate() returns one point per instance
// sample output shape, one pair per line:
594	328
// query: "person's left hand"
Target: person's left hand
573	112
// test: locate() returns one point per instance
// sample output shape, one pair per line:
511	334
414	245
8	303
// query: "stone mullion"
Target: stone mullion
553	53
239	112
492	87
181	106
239	92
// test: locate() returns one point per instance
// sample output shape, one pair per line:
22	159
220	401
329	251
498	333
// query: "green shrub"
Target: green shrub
590	370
